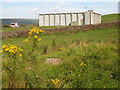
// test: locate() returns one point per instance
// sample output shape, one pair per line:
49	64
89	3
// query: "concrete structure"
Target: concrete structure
58	19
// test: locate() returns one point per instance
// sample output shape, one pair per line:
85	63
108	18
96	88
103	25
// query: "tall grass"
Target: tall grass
89	60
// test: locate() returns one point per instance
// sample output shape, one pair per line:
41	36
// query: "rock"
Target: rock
53	61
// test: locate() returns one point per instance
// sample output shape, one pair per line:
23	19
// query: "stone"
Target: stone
53	61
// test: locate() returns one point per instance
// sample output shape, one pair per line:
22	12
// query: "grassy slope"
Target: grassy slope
97	48
27	27
110	17
103	34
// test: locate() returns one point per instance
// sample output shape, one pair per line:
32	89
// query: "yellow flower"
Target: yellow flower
11	48
82	64
6	49
37	32
26	40
35	36
1	51
4	46
52	80
20	55
30	33
39	39
42	31
55	83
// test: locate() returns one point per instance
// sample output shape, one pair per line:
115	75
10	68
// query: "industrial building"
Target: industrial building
64	19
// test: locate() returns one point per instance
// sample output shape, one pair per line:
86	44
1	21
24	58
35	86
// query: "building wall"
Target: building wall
88	17
57	21
62	19
41	20
46	20
68	19
80	19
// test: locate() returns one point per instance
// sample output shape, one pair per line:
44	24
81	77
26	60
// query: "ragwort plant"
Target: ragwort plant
33	39
14	52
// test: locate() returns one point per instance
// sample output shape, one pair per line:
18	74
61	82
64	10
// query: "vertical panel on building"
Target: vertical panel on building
92	18
74	17
46	20
80	19
40	20
99	18
62	19
51	20
96	19
68	19
57	20
87	17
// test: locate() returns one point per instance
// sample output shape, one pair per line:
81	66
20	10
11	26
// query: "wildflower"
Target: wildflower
82	64
30	33
1	51
4	46
55	82
11	48
20	49
26	40
35	31
39	39
20	55
42	31
35	36
6	49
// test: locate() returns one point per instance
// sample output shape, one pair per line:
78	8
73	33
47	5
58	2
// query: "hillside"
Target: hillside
20	21
110	17
62	57
87	59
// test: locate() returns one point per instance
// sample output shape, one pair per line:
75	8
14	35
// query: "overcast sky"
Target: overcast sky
24	9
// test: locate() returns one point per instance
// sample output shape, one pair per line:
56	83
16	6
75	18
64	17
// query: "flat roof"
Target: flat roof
67	13
61	13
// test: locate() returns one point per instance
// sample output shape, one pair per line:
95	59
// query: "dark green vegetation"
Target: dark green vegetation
110	17
96	48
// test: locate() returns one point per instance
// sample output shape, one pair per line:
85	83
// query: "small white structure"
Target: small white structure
76	18
14	25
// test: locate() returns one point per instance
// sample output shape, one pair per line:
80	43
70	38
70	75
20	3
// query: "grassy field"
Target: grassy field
25	27
110	17
88	59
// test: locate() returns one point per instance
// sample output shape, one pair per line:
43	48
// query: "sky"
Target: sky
31	9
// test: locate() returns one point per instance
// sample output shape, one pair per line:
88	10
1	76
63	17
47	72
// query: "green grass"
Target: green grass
110	17
96	48
27	27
